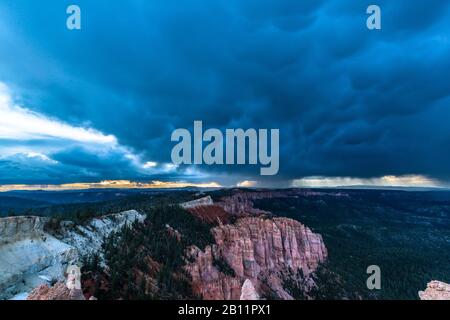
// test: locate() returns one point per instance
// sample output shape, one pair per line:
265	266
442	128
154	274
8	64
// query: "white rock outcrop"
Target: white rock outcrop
14	229
436	290
205	201
30	257
88	238
248	291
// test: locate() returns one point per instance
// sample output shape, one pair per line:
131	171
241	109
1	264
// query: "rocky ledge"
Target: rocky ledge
30	257
258	249
58	292
13	229
436	290
205	201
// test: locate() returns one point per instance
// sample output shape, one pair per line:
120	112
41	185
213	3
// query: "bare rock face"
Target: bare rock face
255	245
257	249
248	291
205	201
30	257
206	210
213	214
207	281
436	290
14	229
58	292
88	238
241	203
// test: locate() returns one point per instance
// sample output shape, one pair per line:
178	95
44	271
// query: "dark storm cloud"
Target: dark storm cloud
348	101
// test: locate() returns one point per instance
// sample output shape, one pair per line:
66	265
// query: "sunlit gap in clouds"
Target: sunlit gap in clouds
19	123
107	184
418	181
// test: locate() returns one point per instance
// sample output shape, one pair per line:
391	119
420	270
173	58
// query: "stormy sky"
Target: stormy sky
352	105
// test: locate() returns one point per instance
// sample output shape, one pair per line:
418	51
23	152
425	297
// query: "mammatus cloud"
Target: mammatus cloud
349	102
108	184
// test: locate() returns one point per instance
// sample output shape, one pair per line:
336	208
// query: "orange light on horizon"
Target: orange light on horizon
107	184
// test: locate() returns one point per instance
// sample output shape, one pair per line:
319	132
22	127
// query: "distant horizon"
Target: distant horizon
159	185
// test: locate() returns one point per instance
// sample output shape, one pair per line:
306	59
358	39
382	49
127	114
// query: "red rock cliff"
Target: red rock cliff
241	203
258	249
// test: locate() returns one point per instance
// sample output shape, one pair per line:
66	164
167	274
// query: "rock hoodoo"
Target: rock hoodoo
58	292
436	290
248	291
257	249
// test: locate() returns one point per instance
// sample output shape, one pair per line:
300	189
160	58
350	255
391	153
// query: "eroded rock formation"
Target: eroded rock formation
30	257
58	292
207	211
14	229
205	201
257	249
241	203
249	259
248	291
88	238
436	290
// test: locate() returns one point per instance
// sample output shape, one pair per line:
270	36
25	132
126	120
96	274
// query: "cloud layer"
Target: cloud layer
349	102
35	147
